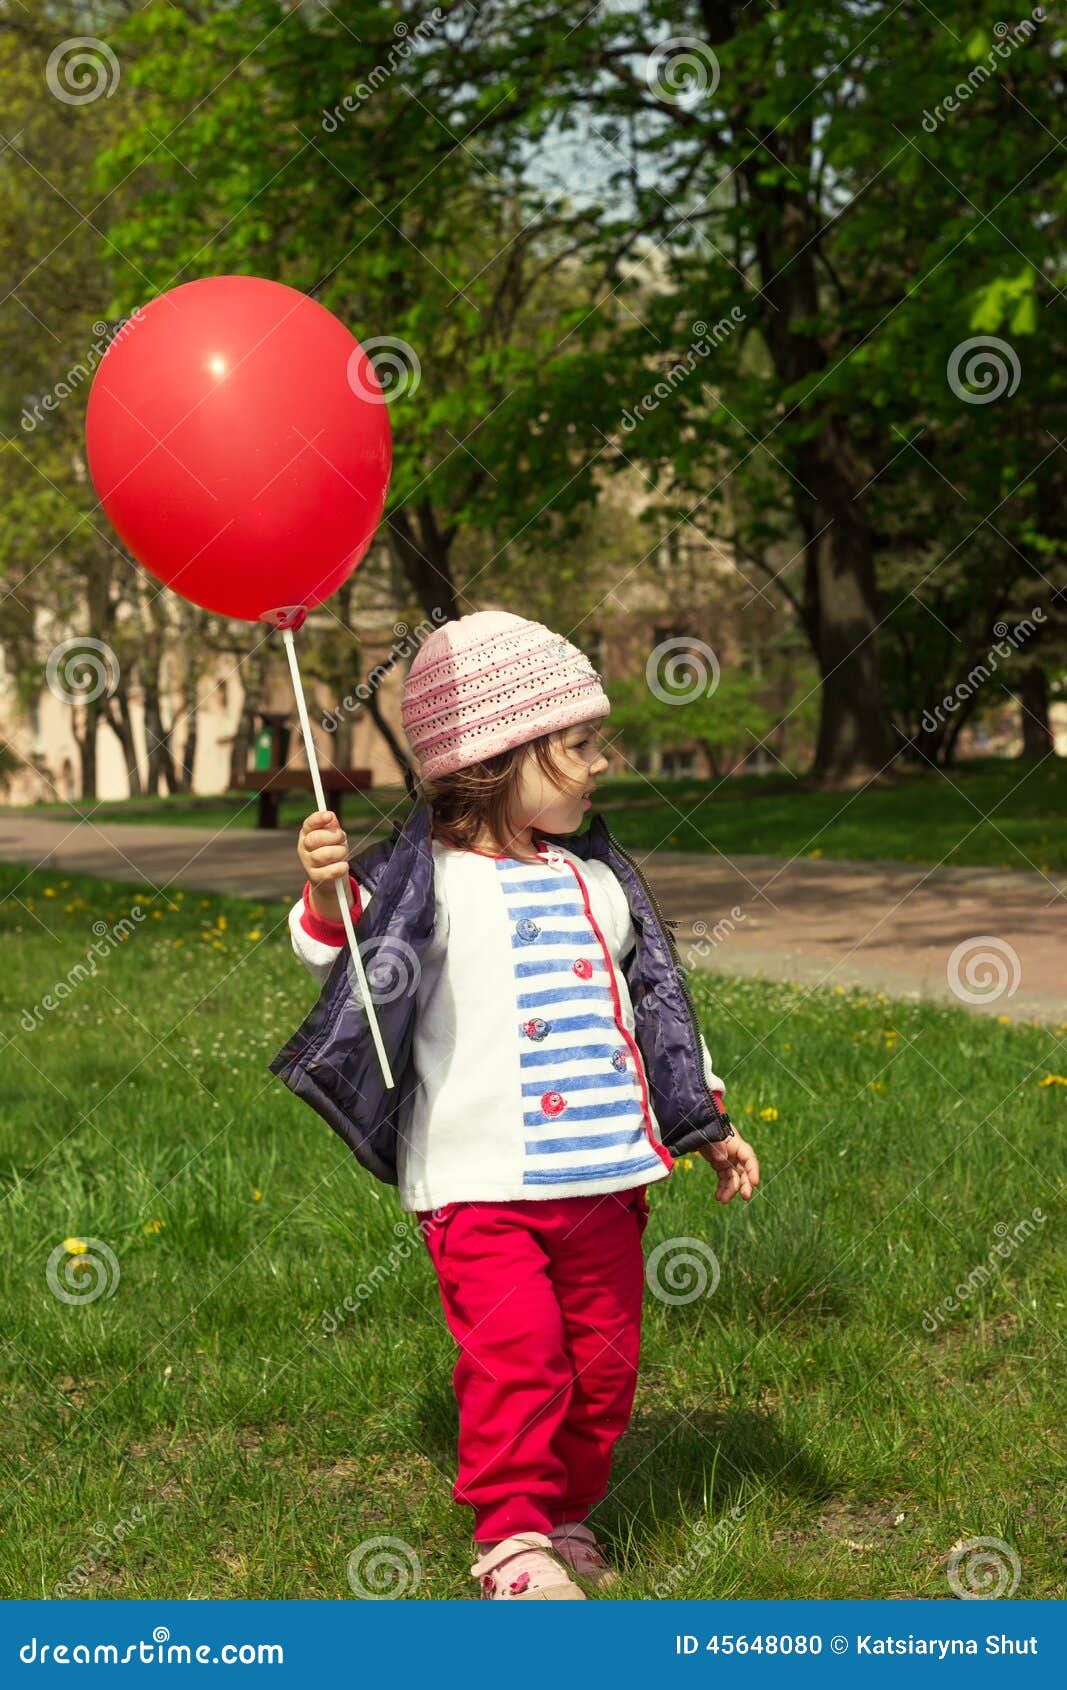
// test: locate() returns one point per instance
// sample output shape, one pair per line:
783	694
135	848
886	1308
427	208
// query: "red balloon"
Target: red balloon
238	439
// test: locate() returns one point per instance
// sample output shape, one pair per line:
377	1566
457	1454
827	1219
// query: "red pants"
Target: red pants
543	1297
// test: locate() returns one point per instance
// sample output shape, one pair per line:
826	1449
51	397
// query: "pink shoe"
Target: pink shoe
519	1569
579	1548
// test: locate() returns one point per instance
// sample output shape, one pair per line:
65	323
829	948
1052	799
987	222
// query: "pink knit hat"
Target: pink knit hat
487	682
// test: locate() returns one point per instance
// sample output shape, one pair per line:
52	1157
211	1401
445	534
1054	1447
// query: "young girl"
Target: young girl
533	1133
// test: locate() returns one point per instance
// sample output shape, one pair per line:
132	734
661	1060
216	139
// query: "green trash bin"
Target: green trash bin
263	749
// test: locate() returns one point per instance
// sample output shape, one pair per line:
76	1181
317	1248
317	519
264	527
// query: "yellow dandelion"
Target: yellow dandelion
840	990
876	1085
222	923
817	852
75	1246
64	884
154	1225
49	892
256	1194
254	935
1005	1020
1053	1080
768	1114
157	915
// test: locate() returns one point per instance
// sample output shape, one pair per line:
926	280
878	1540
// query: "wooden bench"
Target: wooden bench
274	781
273	784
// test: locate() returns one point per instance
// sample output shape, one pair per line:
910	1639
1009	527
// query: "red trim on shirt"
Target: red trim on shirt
328	932
661	1149
498	856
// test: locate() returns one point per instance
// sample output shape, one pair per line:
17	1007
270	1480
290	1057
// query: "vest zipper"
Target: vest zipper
718	1111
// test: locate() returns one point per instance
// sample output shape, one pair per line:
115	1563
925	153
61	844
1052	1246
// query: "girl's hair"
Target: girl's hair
479	798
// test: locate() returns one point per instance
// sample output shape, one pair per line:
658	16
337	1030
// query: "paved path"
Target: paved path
890	927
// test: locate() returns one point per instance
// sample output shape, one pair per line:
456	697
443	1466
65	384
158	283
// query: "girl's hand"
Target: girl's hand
322	847
736	1164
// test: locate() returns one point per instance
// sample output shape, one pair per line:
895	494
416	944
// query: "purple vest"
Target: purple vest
331	1063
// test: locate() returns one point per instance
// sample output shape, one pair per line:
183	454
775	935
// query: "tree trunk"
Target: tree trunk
375	711
86	744
424	561
157	737
187	761
253	675
955	727
123	731
853	743
840	603
1032	693
713	761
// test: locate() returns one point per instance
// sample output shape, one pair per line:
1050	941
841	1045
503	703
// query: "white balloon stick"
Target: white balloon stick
342	881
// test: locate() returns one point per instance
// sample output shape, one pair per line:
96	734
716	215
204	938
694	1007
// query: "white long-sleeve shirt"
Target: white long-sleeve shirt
531	1083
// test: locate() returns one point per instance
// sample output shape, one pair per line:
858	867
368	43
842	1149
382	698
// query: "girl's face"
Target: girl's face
560	807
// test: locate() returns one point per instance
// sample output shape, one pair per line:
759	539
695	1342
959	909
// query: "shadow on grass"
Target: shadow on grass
663	1481
700	1470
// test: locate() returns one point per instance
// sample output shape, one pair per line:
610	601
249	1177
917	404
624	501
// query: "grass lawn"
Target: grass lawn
995	813
818	1425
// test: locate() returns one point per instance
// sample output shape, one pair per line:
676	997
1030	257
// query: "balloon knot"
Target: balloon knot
287	616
